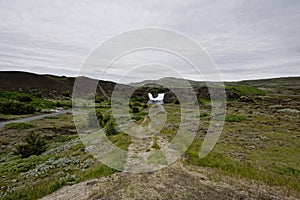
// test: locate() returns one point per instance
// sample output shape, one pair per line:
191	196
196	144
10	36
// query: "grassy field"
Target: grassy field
64	163
259	142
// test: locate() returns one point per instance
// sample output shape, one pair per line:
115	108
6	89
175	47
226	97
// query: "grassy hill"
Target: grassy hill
51	86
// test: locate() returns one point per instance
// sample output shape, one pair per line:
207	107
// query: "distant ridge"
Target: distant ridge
51	84
12	81
48	85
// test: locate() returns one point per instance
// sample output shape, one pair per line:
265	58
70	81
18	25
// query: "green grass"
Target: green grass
121	140
64	138
235	118
19	125
18	164
97	172
36	192
33	100
260	147
49	186
55	178
273	160
269	174
245	90
204	102
34	187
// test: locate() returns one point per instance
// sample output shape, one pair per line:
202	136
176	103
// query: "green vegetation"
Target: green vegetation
64	163
64	104
252	146
155	145
135	110
18	103
204	115
235	118
134	98
286	176
24	98
156	90
139	110
16	108
50	185
19	125
110	128
245	90
204	102
139	116
97	172
121	140
33	144
100	119
257	144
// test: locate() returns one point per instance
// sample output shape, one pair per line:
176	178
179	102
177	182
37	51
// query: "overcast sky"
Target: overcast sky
246	39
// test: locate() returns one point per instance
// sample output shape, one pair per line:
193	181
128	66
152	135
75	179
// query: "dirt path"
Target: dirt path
144	144
27	119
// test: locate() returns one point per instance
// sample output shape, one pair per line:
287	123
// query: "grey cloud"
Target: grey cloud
242	37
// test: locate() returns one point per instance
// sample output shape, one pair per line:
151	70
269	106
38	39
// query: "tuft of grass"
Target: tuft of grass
19	125
155	145
97	172
204	102
235	118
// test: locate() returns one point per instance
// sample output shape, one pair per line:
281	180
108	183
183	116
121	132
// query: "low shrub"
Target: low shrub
110	128
16	108
204	115
137	104
33	144
135	110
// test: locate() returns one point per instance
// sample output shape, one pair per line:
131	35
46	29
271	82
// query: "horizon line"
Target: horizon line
63	75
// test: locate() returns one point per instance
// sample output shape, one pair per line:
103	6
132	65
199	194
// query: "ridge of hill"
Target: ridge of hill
48	85
51	85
